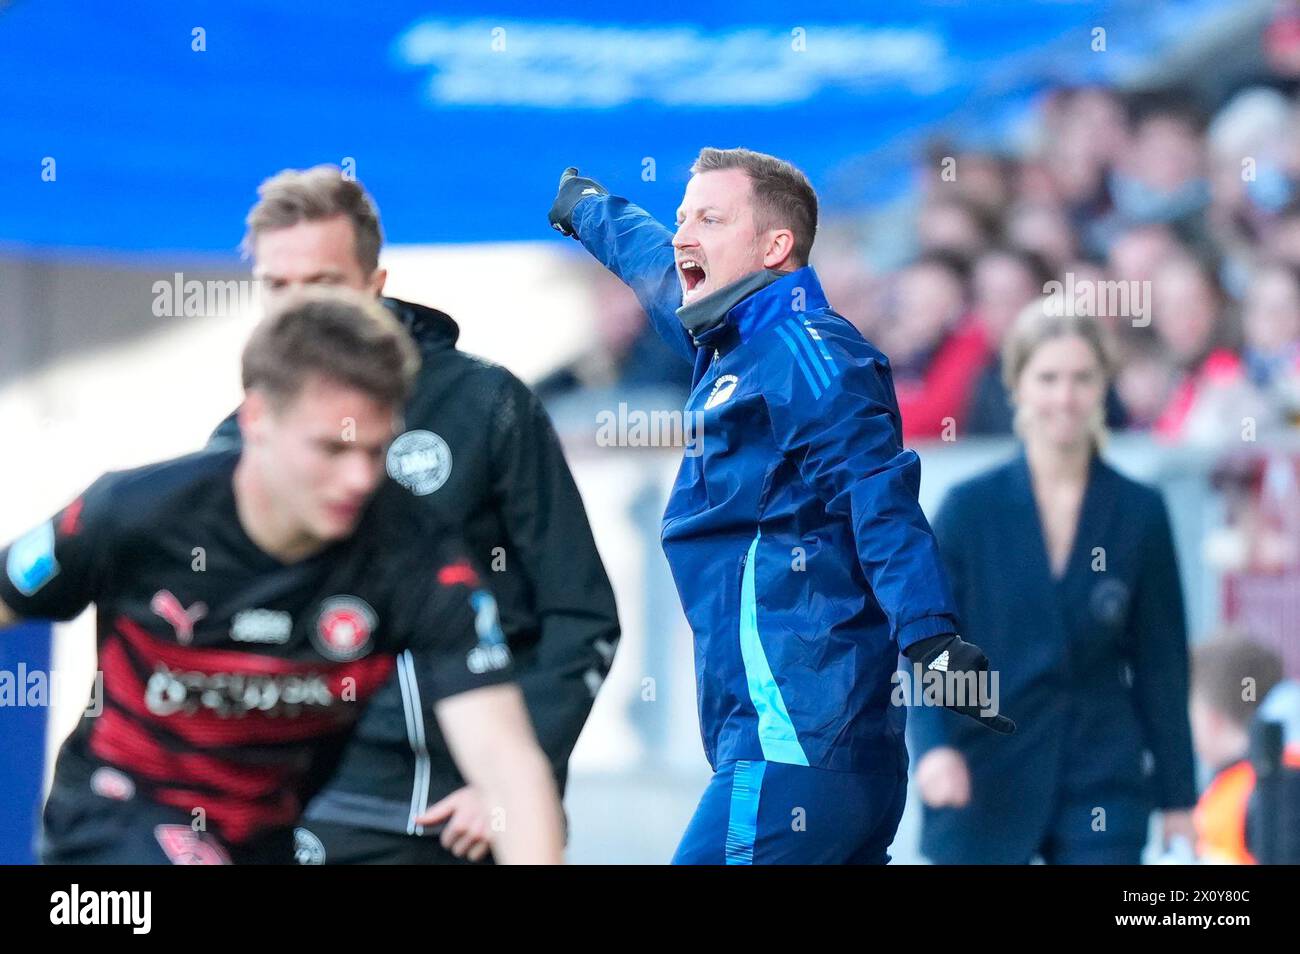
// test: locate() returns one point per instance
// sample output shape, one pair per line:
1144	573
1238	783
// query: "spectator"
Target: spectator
1044	229
1252	145
985	179
1089	138
1137	253
1187	315
954	225
1258	395
1229	678
1271	322
935	349
1161	176
1143	379
1005	281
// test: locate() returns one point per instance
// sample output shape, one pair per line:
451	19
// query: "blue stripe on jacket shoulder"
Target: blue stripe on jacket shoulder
800	360
808	348
816	337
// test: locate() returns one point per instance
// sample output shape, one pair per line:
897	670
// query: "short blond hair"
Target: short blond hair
313	195
783	196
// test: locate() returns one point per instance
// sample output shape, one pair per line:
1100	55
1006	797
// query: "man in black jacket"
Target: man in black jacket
479	449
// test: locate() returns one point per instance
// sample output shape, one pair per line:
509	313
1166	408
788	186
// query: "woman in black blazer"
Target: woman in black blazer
1064	572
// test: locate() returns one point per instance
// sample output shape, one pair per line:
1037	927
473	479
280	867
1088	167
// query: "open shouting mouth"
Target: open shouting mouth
692	274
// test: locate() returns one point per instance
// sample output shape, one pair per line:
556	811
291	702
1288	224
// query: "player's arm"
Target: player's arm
553	547
55	570
463	666
835	416
492	741
632	244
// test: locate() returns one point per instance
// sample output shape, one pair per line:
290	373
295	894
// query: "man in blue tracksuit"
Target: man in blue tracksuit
802	558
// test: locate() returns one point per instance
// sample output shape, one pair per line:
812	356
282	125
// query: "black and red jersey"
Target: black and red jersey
227	673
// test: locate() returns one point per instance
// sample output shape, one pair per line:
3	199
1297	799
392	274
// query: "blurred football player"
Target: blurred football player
250	601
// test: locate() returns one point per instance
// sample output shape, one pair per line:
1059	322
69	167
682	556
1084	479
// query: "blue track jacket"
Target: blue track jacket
793	531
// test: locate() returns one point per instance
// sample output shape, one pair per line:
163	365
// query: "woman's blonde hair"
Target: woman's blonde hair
1047	319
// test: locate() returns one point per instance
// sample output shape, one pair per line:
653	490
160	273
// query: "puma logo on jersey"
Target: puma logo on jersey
170	608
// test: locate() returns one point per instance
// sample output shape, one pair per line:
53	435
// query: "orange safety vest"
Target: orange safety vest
1220	816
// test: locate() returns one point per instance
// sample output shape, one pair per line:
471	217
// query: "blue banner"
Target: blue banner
147	126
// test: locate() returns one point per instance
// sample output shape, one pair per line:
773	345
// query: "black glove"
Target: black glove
573	189
951	654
